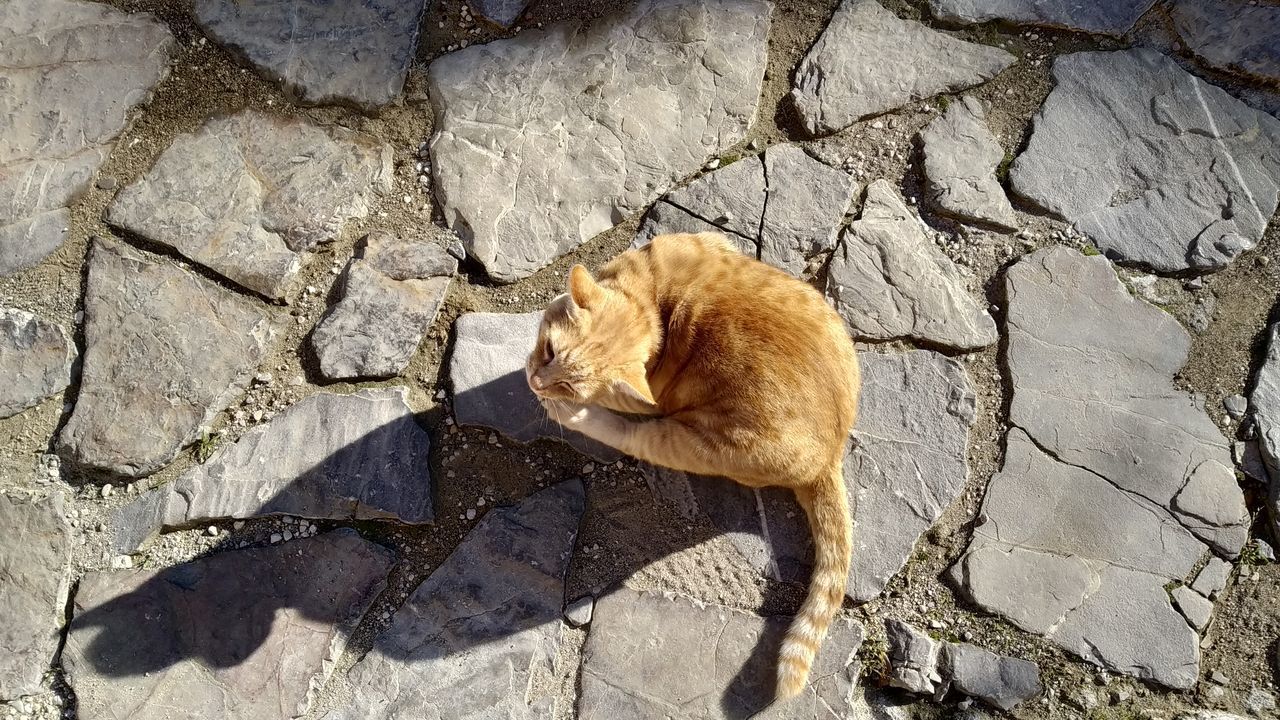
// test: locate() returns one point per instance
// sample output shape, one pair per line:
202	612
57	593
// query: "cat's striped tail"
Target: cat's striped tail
830	525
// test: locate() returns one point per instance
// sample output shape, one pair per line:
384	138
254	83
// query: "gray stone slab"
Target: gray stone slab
960	160
1003	682
545	139
1264	403
165	351
323	51
1097	392
34	561
868	61
502	12
913	658
391	293
361	456
1153	164
470	639
663	218
650	655
782	206
247	195
248	633
489	385
35	360
1129	626
1107	17
70	72
888	280
805	207
1067	554
1231	35
1212	579
1193	606
907	462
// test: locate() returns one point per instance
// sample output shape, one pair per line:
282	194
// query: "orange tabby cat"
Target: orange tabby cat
746	372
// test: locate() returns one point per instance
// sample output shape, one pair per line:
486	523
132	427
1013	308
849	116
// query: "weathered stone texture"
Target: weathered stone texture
247	634
353	51
889	281
165	351
361	456
547	138
468	641
70	72
1153	164
34	560
868	61
247	195
35	360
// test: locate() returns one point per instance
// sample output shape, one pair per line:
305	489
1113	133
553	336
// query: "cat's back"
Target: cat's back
712	281
749	326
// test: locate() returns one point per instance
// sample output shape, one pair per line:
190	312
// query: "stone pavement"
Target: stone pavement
266	448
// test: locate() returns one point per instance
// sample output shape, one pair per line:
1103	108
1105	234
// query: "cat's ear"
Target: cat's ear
634	384
583	288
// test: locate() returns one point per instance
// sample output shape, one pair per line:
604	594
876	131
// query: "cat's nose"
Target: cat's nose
535	382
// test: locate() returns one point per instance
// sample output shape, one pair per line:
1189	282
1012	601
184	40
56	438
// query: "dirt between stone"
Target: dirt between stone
628	535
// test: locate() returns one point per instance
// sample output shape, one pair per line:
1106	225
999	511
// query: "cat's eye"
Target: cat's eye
548	352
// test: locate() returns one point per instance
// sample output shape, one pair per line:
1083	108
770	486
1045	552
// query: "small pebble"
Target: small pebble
471	513
213	531
276	537
107	490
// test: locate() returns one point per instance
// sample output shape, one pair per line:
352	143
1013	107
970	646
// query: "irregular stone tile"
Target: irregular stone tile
1002	682
804	208
1113	17
664	218
1232	35
782	207
1097	392
482	625
1128	625
247	195
868	61
1153	164
34	558
907	462
335	457
1264	403
653	655
960	160
70	72
1212	578
35	360
1053	563
489	386
889	281
1193	606
502	12
913	658
322	50
241	634
392	291
1114	480
165	351
922	665
625	106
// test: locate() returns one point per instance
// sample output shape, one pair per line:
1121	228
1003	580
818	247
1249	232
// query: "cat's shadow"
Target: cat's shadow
211	613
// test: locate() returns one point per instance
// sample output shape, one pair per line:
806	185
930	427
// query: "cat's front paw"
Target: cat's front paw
569	414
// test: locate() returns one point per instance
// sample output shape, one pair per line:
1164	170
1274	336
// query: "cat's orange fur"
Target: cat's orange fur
746	373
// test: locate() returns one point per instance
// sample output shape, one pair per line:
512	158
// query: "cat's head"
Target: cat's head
593	342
